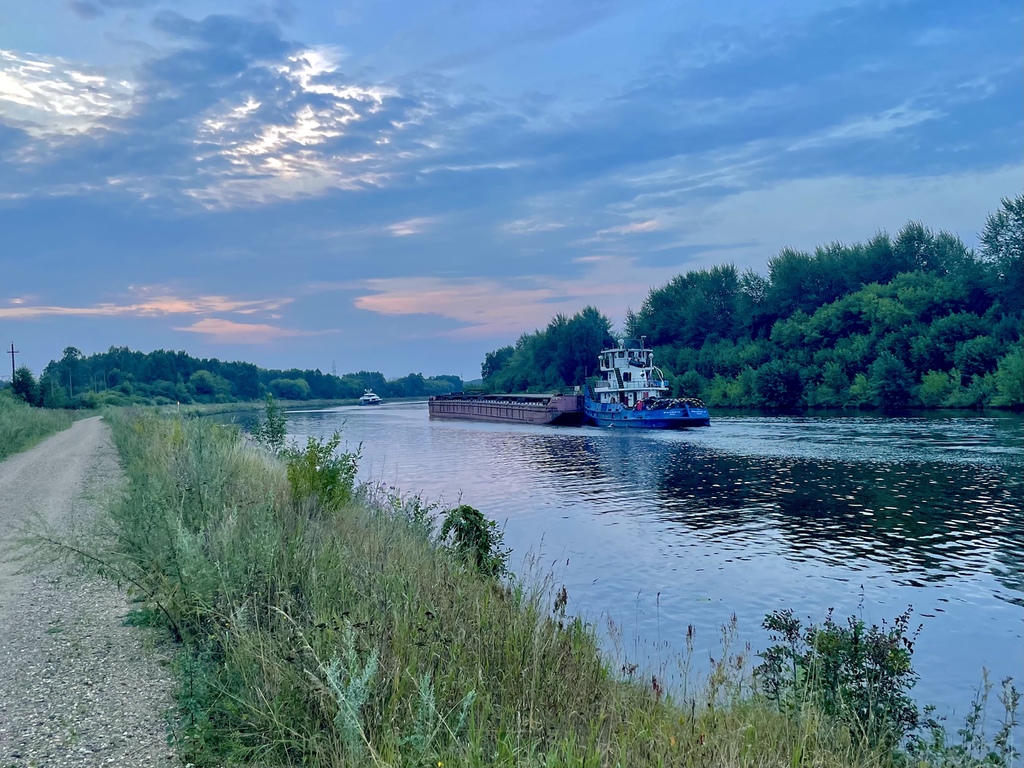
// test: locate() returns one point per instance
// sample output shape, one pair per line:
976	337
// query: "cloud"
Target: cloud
805	212
46	96
93	9
631	229
300	130
219	329
233	115
410	226
147	306
487	308
540	23
612	233
530	226
870	127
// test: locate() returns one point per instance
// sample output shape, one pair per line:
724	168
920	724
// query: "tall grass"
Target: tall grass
349	635
22	426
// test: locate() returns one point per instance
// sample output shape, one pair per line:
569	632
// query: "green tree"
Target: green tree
922	298
977	356
914	248
583	338
891	382
1002	246
25	387
208	384
778	385
1010	378
52	393
70	362
935	389
834	390
290	389
690	384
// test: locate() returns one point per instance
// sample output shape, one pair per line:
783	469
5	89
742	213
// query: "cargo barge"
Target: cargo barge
561	410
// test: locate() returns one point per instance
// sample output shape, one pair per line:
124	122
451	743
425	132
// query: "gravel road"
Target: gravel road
77	688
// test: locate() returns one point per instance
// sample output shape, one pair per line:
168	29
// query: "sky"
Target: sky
403	186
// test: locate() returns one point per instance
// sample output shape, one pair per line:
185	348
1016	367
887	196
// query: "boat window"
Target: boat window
622	354
626	375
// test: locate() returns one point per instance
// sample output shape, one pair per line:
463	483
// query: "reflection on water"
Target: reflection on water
660	530
926	520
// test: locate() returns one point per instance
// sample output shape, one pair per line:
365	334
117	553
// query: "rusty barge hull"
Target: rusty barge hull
560	410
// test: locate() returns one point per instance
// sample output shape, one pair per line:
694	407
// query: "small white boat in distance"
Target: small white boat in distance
369	398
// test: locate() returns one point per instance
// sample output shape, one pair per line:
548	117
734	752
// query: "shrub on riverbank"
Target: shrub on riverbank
348	634
22	426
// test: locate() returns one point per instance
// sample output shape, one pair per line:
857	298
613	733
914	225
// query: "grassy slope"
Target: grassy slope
22	426
350	638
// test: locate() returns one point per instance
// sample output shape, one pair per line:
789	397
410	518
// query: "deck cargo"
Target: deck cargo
564	410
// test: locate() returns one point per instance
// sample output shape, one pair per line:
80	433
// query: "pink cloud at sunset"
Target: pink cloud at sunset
491	308
155	306
219	329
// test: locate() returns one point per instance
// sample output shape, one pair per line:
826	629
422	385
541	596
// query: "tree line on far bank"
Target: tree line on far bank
919	320
121	376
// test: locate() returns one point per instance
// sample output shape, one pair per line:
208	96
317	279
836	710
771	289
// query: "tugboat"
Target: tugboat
369	398
632	392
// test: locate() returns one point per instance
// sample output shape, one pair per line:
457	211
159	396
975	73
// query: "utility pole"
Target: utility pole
12	352
334	369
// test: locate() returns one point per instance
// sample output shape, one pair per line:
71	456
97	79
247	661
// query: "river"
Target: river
660	530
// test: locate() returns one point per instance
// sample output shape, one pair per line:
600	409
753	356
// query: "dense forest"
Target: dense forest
919	320
121	376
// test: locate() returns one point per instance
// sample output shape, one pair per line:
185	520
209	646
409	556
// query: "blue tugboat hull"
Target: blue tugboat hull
615	415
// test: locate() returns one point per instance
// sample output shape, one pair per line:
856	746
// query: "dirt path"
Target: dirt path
77	688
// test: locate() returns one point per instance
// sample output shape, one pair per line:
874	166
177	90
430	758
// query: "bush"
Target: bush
271	431
476	540
319	474
860	675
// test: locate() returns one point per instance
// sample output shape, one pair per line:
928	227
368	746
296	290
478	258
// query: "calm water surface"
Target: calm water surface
659	530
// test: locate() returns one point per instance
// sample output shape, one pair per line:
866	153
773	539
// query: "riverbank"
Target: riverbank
338	631
215	409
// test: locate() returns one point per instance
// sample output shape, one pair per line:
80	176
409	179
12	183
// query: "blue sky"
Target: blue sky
403	186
